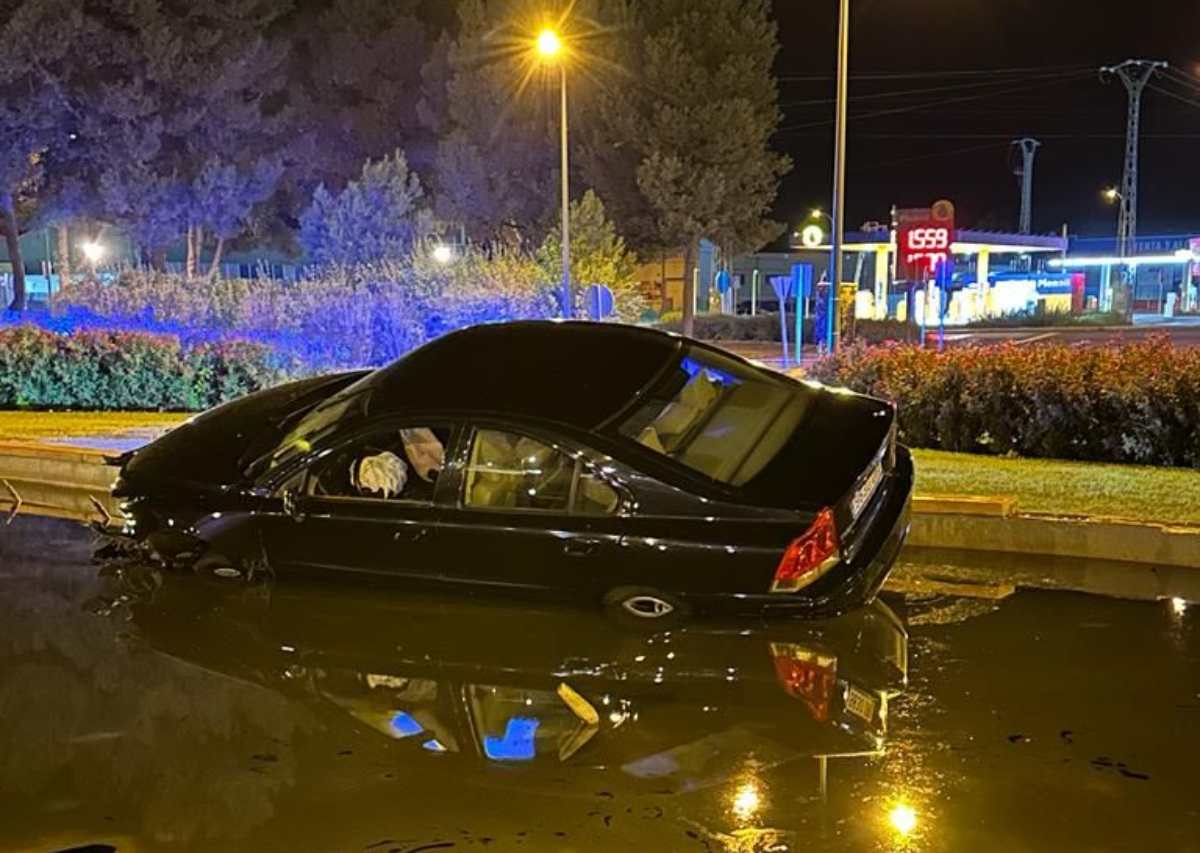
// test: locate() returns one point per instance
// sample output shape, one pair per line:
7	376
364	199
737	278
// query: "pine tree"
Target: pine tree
598	256
495	114
380	215
700	118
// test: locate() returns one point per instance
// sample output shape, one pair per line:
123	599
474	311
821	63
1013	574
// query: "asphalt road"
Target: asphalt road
160	713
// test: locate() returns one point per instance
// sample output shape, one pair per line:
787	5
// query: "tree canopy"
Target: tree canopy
207	120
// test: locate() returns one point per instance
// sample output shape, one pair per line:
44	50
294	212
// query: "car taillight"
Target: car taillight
808	675
809	556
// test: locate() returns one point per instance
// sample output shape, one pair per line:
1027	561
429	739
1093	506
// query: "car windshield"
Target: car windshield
718	416
348	404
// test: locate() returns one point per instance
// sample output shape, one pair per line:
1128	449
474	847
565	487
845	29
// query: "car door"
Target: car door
532	512
366	504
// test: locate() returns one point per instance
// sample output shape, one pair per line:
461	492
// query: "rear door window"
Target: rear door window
509	470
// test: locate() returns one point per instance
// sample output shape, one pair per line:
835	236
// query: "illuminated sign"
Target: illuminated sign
923	239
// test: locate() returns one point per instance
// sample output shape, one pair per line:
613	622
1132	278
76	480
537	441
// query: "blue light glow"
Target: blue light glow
517	743
403	725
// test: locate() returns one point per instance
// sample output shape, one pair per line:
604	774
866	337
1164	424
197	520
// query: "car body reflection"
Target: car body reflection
545	688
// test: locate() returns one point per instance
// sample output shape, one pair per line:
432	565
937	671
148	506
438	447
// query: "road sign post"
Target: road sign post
782	285
599	301
802	276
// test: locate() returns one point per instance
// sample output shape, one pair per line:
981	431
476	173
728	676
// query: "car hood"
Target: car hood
214	448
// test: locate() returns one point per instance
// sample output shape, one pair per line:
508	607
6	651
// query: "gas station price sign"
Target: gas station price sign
924	236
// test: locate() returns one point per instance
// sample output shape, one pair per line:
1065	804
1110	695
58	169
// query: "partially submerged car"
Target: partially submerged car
602	462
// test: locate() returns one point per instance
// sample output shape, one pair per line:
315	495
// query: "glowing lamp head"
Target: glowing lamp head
443	254
812	236
903	819
549	45
1111	194
93	252
817	213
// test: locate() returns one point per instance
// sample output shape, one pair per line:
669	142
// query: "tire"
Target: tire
643	605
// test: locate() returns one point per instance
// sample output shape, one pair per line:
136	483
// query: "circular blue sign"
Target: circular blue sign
599	301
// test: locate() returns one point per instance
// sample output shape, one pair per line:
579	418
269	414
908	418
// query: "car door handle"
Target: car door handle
582	547
416	536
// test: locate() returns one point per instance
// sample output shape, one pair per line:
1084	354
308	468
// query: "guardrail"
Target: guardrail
59	482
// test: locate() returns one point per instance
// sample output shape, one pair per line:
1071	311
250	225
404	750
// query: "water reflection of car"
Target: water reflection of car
548	687
604	462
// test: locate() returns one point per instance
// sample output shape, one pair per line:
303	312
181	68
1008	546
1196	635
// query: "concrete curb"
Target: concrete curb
70	482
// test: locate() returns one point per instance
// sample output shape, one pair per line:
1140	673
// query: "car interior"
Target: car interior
392	465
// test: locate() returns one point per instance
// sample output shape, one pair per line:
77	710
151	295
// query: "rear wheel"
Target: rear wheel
645	605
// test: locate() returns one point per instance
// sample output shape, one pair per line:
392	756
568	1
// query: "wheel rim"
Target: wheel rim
647	606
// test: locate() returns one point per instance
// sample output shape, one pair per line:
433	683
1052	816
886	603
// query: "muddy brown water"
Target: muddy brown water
142	711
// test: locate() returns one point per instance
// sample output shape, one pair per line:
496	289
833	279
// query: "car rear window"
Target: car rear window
718	416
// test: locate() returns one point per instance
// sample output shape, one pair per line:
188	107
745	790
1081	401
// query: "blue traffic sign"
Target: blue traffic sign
599	302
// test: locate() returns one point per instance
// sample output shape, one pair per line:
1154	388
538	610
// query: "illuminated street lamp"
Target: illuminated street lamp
550	50
442	253
93	253
1112	195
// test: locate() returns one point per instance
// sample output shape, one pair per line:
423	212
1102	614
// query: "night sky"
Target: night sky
960	150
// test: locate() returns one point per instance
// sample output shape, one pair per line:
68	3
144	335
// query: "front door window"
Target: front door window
394	464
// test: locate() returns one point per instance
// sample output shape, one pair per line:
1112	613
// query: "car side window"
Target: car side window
393	464
511	471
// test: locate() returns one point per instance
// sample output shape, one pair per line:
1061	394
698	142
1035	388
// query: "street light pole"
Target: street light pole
549	46
838	210
568	301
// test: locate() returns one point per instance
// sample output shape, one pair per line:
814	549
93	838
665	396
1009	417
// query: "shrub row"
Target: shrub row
366	315
1137	403
98	370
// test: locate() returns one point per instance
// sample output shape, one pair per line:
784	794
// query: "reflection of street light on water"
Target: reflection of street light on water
746	801
903	819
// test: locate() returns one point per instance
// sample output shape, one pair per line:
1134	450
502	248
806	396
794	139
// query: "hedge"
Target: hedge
98	370
362	316
1135	403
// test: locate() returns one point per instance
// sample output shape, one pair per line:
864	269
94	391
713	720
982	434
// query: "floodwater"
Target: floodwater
147	713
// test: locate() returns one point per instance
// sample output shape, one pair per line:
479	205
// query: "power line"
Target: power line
909	92
941	102
907	75
1008	135
1171	94
1182	79
930	156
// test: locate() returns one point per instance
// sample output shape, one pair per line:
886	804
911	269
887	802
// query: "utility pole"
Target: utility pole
838	208
1029	147
1135	74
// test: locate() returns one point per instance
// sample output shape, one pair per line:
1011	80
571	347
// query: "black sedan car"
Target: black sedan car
601	462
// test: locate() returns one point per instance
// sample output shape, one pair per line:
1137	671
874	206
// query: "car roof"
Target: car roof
576	373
